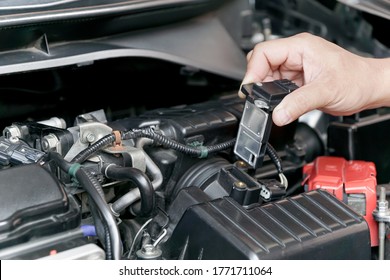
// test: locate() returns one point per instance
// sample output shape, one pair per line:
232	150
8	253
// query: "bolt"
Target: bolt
90	137
14	139
241	164
12	131
239	185
149	252
148	249
49	142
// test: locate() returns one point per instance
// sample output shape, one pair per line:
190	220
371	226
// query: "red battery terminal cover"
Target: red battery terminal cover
353	182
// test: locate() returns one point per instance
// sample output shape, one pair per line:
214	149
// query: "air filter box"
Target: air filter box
312	225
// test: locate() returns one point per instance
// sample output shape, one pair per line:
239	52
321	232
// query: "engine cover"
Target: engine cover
33	204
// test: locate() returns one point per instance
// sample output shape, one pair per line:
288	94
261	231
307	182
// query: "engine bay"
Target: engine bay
145	157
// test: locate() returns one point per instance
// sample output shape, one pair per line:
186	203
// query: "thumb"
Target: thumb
247	80
297	103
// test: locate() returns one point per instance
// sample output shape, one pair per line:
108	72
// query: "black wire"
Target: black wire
98	145
199	152
294	188
88	182
271	152
93	188
101	228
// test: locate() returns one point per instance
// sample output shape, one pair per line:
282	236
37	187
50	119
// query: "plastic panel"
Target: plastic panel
313	225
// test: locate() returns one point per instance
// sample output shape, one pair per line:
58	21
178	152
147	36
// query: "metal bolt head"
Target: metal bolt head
14	139
241	164
149	252
148	249
90	137
383	205
49	142
12	131
239	185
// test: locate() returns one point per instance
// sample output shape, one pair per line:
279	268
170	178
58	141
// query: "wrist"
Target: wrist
381	76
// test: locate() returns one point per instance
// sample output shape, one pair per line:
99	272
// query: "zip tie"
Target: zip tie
203	152
73	169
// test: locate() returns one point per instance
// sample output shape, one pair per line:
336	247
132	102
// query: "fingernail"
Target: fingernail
281	117
241	94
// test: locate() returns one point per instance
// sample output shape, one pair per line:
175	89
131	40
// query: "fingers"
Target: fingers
263	60
299	102
272	60
258	69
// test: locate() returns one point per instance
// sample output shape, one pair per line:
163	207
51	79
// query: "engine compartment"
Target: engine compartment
167	202
137	174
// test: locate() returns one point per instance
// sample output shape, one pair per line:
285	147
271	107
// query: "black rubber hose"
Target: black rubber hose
94	190
59	160
98	145
200	152
139	179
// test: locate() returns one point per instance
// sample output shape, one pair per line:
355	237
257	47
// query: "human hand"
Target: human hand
329	77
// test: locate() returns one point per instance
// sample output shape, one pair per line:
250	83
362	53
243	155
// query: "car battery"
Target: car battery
351	181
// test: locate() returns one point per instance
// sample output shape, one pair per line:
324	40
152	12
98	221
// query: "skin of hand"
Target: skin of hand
330	78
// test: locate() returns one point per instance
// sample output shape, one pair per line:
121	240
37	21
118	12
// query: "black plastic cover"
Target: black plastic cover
18	153
353	139
25	20
33	203
313	225
272	93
